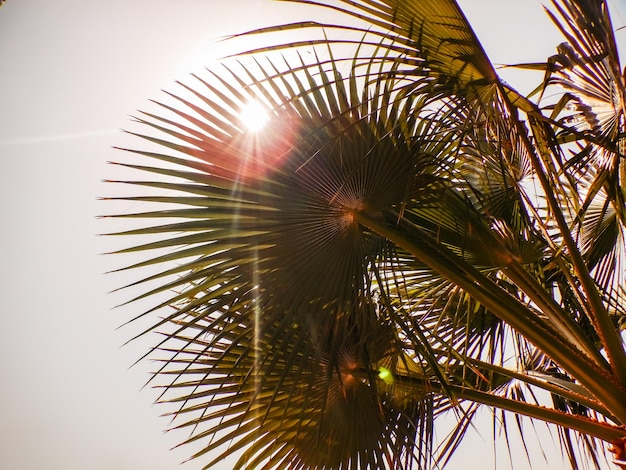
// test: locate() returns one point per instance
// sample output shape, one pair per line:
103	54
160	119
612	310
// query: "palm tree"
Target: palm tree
407	237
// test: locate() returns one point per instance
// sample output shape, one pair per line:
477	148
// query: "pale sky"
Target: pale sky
72	71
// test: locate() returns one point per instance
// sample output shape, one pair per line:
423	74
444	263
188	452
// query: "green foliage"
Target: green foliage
406	237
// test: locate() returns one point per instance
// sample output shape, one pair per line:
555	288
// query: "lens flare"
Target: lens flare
254	116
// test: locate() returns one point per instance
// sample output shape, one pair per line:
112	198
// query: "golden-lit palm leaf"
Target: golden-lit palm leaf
588	68
434	33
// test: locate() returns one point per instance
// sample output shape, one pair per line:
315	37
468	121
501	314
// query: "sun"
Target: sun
254	116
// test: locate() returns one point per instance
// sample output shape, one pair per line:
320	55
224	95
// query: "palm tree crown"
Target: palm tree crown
408	236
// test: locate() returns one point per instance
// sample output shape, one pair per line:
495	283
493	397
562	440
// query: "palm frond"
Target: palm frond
588	68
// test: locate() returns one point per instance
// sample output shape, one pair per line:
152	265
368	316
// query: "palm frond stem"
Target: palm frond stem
601	383
599	316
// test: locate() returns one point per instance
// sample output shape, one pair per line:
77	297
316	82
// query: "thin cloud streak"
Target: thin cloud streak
59	137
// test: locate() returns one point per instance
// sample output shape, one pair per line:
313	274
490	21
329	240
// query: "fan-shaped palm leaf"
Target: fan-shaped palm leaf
588	67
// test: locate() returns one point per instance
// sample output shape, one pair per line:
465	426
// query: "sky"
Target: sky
72	72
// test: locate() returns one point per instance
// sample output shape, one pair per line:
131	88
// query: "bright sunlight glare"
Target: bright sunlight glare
254	116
